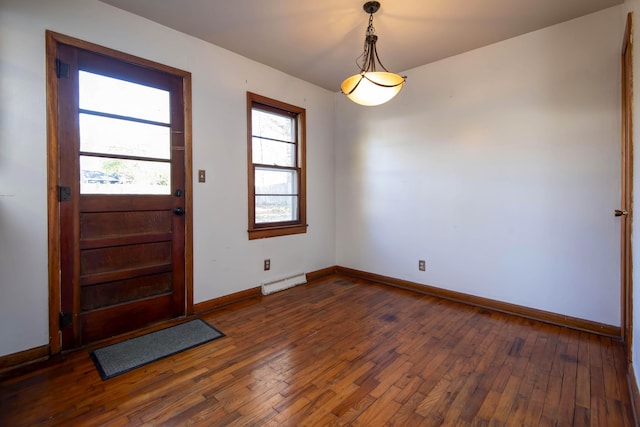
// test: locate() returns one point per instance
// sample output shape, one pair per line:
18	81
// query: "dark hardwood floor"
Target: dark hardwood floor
340	351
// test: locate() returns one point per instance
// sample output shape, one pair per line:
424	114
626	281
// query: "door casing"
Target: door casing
53	40
626	267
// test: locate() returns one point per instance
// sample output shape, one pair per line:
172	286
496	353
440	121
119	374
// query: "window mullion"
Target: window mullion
267	166
274	139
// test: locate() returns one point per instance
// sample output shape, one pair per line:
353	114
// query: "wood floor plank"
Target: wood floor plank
383	410
341	351
554	387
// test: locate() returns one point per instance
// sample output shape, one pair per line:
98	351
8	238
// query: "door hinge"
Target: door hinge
64	193
62	69
66	319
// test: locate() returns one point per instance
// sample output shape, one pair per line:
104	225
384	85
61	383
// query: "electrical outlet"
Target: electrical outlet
422	265
202	175
267	264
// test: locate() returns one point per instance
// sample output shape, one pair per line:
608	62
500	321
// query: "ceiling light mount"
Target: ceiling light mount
371	7
371	87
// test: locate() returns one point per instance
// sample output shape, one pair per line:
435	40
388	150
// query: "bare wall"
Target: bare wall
499	167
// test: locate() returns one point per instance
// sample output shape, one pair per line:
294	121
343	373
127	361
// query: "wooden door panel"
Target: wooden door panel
124	240
111	276
116	203
96	225
128	257
114	320
99	295
67	153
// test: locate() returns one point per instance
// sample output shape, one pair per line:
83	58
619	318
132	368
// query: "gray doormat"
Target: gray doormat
127	355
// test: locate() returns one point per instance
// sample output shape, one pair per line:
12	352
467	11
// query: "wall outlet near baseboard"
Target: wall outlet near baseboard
267	264
422	265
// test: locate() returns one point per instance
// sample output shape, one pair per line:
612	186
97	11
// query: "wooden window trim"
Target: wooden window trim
277	229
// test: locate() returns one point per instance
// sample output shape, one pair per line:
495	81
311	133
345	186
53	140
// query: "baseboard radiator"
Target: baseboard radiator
282	284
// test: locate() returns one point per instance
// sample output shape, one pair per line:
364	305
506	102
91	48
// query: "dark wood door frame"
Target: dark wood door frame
53	40
626	210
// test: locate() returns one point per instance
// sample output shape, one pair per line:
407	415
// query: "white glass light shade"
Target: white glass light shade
369	93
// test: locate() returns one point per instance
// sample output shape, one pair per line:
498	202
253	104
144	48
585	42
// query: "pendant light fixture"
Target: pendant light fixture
370	86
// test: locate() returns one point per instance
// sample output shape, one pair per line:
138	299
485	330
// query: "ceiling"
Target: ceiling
319	41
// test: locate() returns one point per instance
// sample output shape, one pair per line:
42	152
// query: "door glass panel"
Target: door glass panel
111	138
104	175
276	208
115	136
114	96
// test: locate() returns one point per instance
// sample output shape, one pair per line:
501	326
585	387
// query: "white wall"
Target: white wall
225	260
500	167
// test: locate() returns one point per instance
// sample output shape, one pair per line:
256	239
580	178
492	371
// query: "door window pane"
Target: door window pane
103	175
115	136
276	209
114	96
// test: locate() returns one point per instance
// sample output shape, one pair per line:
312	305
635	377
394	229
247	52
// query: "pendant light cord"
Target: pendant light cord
369	55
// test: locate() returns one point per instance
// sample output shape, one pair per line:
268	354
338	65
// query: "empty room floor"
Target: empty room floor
344	351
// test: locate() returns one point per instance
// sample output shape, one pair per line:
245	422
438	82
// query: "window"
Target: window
276	165
125	136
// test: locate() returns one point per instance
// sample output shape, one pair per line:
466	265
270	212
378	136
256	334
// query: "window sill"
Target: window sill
262	233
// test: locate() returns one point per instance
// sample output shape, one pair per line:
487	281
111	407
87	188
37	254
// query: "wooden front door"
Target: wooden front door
121	178
626	210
